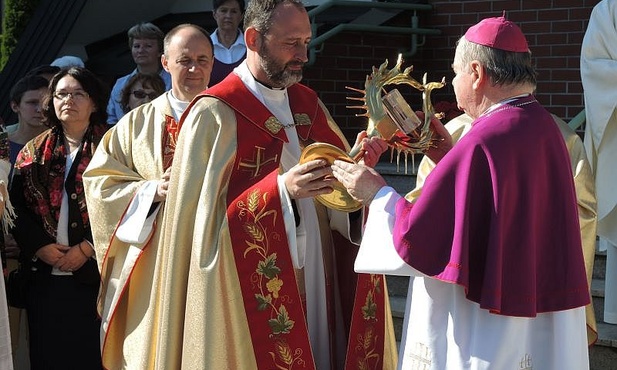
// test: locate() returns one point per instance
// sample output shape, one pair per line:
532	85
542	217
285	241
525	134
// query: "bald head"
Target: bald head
188	57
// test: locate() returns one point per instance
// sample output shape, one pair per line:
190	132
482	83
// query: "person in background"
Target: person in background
44	70
228	39
26	98
599	76
52	226
131	168
493	243
146	44
141	89
68	61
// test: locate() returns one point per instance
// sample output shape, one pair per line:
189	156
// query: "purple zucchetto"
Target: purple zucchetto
498	33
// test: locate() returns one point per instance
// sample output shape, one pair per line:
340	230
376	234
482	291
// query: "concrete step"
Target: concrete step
603	354
599	265
607	333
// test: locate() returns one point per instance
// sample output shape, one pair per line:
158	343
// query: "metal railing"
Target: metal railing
578	121
414	30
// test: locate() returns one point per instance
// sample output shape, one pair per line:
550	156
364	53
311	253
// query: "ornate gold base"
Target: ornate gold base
339	198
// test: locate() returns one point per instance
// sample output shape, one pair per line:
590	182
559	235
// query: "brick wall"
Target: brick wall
554	30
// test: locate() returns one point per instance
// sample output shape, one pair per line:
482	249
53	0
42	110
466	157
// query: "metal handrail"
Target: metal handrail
365	4
354	27
578	120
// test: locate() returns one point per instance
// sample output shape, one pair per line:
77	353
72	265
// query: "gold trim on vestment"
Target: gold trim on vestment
274	125
302	119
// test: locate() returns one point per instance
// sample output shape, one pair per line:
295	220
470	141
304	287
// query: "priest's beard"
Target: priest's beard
277	72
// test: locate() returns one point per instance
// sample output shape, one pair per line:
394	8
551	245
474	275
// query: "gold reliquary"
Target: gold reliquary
389	117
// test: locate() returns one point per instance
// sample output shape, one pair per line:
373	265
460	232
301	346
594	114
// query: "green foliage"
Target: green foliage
17	14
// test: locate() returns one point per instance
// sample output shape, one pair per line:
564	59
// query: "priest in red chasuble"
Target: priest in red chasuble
242	268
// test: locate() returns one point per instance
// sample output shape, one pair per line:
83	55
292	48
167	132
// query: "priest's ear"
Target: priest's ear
253	39
164	62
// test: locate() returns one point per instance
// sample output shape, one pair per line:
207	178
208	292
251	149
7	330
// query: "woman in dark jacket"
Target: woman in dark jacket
53	228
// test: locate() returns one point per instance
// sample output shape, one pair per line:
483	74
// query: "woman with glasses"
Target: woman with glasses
140	89
53	227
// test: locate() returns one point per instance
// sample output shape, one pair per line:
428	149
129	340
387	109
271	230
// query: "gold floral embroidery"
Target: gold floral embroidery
274	286
366	347
285	355
267	282
369	310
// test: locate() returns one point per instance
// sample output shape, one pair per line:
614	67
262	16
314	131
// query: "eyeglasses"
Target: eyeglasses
140	94
77	95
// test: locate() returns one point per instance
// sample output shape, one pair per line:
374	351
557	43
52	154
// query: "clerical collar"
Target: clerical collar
257	88
177	106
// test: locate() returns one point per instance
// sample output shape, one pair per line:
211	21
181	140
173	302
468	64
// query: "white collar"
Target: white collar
257	88
177	106
215	39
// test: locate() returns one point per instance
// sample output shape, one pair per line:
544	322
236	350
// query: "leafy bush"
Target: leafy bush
17	14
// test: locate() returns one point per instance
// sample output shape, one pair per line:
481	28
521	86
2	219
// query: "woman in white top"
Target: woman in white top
228	39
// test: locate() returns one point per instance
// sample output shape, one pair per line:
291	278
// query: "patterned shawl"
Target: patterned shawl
42	163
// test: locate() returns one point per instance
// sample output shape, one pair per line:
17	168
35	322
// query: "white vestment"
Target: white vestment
599	76
6	358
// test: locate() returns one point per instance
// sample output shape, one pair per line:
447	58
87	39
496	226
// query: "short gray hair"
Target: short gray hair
503	67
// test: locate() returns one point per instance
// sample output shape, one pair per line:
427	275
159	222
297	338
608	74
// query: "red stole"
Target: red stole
272	301
170	138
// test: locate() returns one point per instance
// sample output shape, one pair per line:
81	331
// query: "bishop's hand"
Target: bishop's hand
362	182
441	142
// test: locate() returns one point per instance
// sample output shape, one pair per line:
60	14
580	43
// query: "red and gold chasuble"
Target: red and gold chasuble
272	299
